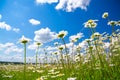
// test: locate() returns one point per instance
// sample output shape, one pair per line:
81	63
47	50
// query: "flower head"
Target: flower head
112	23
90	23
24	40
96	35
72	78
62	34
118	23
38	43
56	52
61	47
105	15
78	48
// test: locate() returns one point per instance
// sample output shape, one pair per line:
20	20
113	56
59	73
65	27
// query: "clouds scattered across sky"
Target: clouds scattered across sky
34	22
67	5
5	26
44	35
10	47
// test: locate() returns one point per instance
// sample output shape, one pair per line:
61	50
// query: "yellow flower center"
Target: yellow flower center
90	21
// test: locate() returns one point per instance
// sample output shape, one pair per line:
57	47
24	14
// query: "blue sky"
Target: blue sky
50	16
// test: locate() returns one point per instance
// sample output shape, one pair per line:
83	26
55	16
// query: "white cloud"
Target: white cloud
34	22
44	35
13	58
0	16
16	30
32	46
46	1
3	25
7	27
71	5
10	47
50	48
67	5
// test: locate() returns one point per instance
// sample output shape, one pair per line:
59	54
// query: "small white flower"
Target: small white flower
38	43
105	15
61	47
71	78
78	48
112	23
118	23
90	23
56	53
96	35
23	39
62	34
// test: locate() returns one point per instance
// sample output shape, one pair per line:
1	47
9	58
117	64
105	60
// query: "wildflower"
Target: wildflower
118	23
78	48
112	23
88	41
56	53
90	23
111	65
96	35
53	76
105	15
38	43
39	71
62	34
30	68
41	78
61	47
24	40
77	59
71	78
60	74
7	76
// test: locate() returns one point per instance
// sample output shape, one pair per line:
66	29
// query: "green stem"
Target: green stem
37	55
65	46
66	51
113	30
24	61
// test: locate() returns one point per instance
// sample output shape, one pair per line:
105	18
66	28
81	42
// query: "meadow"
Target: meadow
98	59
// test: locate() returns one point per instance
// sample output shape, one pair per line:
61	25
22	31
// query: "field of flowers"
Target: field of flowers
99	59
